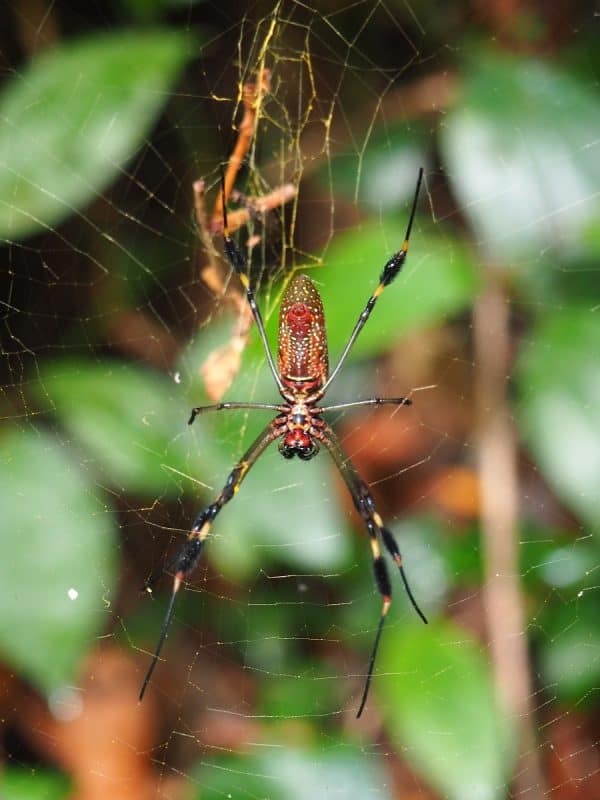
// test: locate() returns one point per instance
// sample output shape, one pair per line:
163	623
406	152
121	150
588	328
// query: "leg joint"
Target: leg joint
231	484
188	558
234	256
390	543
363	501
205	516
382	577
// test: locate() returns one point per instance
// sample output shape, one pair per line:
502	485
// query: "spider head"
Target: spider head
298	443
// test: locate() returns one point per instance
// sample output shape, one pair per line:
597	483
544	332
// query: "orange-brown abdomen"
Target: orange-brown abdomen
303	359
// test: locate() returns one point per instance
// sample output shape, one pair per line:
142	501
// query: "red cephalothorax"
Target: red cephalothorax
298	443
303	360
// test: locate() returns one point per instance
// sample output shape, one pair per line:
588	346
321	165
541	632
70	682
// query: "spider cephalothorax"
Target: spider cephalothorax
302	379
300	424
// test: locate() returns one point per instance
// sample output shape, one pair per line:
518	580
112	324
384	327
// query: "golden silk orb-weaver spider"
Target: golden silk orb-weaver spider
303	379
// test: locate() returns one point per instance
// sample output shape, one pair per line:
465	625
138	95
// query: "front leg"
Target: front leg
228	406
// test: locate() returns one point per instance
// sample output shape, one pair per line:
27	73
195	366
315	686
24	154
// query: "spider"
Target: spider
303	379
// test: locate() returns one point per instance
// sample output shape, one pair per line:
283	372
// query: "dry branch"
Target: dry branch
503	598
222	364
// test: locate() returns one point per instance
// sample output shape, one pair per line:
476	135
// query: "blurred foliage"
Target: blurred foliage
102	134
57	566
570	648
23	784
440	280
294	774
528	178
558	377
130	423
438	697
379	176
59	149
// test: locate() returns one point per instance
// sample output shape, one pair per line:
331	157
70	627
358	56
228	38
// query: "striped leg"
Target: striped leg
238	262
372	401
186	560
366	508
229	406
389	272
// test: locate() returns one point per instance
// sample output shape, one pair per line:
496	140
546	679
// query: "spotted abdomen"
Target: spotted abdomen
303	359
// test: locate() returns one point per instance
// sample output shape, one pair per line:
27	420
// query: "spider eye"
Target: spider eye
306	453
296	445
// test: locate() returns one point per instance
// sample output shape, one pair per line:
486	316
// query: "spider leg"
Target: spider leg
186	560
238	262
373	401
389	272
221	406
365	506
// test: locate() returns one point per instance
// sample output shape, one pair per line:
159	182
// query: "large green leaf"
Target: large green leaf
438	701
558	378
18	783
57	558
131	420
521	151
383	172
74	117
568	642
437	281
285	773
285	511
303	688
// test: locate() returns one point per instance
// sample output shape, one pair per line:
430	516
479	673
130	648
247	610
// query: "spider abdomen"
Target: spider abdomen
303	358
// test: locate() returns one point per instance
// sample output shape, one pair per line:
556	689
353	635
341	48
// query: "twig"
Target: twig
222	364
503	599
252	98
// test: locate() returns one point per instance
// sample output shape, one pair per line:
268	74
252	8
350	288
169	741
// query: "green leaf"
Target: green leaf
304	689
38	784
72	119
294	774
438	281
285	511
131	420
383	173
57	559
562	562
438	701
144	10
558	378
572	279
569	647
522	156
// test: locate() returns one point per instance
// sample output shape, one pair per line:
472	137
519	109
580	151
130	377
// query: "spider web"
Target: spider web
120	315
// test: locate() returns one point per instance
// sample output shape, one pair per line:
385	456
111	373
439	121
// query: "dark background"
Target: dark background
108	115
